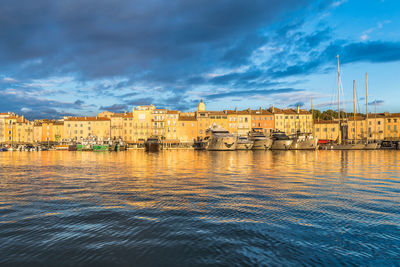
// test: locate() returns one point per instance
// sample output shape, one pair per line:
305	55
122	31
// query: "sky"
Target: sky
81	57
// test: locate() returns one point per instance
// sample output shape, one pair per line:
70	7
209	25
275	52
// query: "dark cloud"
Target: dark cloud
297	104
247	93
115	108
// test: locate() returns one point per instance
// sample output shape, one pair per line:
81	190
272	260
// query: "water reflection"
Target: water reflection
197	207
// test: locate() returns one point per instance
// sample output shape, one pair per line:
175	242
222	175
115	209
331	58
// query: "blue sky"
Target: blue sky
81	57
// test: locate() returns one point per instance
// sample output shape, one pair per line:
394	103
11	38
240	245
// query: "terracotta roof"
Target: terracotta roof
260	112
187	118
172	112
87	119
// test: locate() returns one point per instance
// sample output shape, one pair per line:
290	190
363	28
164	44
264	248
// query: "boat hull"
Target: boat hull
262	144
152	147
281	144
244	146
371	146
221	144
308	144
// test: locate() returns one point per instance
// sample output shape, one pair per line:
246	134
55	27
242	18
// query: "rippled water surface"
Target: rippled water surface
180	208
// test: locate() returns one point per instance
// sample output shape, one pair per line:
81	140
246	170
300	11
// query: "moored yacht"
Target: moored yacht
280	141
152	144
244	143
219	139
261	142
302	141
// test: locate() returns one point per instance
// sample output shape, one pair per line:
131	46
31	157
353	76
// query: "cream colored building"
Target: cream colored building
142	122
326	130
358	128
291	121
171	125
76	128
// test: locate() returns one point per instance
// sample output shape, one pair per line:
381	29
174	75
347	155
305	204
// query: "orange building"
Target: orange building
187	128
262	120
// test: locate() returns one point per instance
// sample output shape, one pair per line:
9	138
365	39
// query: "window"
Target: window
395	127
333	129
89	128
317	130
379	123
81	132
388	127
388	120
394	120
245	119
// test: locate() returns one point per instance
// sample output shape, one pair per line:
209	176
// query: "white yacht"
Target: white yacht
244	143
281	141
219	139
261	142
302	141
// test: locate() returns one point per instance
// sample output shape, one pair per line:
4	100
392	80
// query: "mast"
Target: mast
366	99
376	133
354	108
312	115
338	87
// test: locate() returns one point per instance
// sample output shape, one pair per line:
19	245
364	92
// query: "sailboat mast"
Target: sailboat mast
354	108
338	87
366	98
312	113
376	133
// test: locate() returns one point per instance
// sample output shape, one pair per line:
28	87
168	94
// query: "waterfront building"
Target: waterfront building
326	130
359	129
292	121
187	129
142	122
392	126
262	120
128	127
23	132
37	131
171	126
116	124
77	128
158	122
3	125
51	131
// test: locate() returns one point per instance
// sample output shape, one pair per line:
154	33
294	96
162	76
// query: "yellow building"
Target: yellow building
187	129
358	128
142	122
171	126
326	130
4	126
23	132
291	121
52	131
392	126
158	122
76	128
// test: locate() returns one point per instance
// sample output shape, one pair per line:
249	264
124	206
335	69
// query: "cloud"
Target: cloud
248	93
115	108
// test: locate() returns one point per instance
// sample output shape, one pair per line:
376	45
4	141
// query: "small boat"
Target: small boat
261	142
152	144
100	148
244	143
351	145
219	139
3	149
280	141
61	147
304	141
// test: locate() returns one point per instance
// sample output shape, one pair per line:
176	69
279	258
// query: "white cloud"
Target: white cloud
338	3
8	80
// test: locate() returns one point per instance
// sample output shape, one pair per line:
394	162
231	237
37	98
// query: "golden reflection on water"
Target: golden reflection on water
169	180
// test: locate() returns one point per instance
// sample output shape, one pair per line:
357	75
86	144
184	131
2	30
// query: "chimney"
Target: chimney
235	109
298	109
273	109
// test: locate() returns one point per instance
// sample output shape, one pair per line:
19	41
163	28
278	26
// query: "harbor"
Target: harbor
231	207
